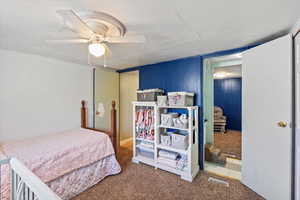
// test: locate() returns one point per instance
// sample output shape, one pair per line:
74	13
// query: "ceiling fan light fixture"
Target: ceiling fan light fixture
96	49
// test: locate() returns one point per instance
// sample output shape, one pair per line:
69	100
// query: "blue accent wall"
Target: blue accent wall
178	75
228	96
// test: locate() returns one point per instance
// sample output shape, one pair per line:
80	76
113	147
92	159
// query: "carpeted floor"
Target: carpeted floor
142	182
229	143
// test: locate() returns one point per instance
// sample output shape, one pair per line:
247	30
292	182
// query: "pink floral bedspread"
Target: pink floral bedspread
52	156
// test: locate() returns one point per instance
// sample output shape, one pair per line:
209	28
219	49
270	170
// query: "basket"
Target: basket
181	99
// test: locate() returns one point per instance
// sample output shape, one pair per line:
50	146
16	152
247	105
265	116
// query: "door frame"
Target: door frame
207	64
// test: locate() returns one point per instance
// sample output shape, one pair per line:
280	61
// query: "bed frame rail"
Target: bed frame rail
26	185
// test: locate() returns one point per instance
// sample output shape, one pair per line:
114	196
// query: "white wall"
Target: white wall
129	84
40	95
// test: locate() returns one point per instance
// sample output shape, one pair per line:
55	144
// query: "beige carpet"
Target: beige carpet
142	182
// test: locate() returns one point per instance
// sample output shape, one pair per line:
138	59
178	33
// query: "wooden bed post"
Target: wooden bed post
112	133
83	115
114	126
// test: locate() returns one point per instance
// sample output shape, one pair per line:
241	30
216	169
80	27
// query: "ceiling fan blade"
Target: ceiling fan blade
67	41
127	39
73	21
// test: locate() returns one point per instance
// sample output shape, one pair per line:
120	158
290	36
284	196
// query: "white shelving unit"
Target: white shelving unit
192	152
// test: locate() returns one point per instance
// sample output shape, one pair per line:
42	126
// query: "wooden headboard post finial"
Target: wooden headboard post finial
83	115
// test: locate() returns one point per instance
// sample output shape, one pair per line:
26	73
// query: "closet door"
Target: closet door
267	119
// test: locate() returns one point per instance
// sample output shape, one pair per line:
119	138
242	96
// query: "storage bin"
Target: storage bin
162	100
167	119
149	95
145	153
179	141
180	99
181	122
165	139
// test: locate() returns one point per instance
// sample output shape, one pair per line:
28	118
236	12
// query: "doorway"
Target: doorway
129	84
223	115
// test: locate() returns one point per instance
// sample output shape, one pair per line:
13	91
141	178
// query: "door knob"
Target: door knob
282	124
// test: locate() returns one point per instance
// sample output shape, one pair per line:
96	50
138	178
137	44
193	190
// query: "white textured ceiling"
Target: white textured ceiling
173	28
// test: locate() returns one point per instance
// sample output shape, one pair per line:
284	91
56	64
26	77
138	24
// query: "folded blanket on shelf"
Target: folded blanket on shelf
168	154
166	161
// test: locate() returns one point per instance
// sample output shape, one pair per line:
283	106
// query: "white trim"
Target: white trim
122	142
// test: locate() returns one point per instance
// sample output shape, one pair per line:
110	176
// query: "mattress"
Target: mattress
54	156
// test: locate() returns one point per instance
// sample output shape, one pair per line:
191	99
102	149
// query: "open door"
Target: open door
267	117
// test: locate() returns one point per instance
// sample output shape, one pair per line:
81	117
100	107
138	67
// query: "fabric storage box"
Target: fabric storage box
145	153
165	139
179	141
167	119
181	122
180	99
162	100
149	95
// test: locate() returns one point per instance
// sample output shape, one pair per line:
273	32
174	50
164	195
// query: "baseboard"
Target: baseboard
122	142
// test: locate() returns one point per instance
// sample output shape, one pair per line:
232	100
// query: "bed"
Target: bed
68	162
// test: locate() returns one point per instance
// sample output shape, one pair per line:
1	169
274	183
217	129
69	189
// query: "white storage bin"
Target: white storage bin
149	94
162	100
180	99
179	141
165	139
167	119
145	152
181	122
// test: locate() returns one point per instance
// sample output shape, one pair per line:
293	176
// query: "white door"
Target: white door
266	101
297	78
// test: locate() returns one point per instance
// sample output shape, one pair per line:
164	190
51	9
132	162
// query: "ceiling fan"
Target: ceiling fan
97	29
